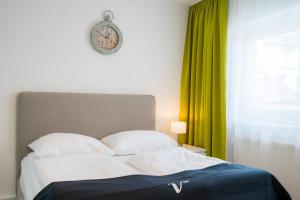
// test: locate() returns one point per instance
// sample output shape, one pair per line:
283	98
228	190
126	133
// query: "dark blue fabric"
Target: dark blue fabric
224	181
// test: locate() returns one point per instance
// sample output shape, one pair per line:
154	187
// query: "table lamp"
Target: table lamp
178	127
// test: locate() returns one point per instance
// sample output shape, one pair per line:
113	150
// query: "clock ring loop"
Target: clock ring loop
108	15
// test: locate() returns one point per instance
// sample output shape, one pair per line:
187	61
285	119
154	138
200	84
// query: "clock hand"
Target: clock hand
106	36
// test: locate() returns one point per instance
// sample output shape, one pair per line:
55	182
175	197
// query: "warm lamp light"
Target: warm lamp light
178	127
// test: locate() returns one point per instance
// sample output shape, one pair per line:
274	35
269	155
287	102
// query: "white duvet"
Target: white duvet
171	161
38	173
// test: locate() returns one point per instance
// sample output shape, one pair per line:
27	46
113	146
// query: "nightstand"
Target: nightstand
194	149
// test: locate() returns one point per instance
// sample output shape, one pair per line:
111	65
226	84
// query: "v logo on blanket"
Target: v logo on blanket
178	190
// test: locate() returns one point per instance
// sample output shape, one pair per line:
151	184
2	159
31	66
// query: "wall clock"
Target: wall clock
106	37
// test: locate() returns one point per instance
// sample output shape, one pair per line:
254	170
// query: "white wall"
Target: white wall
44	46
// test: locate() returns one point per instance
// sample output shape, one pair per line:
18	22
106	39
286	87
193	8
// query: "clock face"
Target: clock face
106	37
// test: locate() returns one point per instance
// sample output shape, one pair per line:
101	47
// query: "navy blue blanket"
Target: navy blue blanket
223	181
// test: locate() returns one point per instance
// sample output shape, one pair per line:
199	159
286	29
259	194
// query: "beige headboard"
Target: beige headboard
96	115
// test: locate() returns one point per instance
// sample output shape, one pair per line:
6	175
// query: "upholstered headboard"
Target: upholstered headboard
96	115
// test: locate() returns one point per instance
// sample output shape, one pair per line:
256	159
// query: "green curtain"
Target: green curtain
203	81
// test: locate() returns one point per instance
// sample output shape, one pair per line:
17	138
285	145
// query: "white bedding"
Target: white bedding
38	173
171	161
29	179
123	159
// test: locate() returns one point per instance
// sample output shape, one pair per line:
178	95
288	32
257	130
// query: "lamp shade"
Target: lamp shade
178	127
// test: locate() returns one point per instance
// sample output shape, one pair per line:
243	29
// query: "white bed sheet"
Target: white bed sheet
38	173
171	161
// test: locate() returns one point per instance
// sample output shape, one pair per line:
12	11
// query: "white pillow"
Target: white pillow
138	141
68	143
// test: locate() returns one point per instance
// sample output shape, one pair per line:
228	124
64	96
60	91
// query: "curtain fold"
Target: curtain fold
203	81
263	87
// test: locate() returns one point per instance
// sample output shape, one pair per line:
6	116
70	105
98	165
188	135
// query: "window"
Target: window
277	73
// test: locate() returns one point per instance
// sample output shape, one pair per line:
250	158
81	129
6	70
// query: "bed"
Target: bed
167	174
